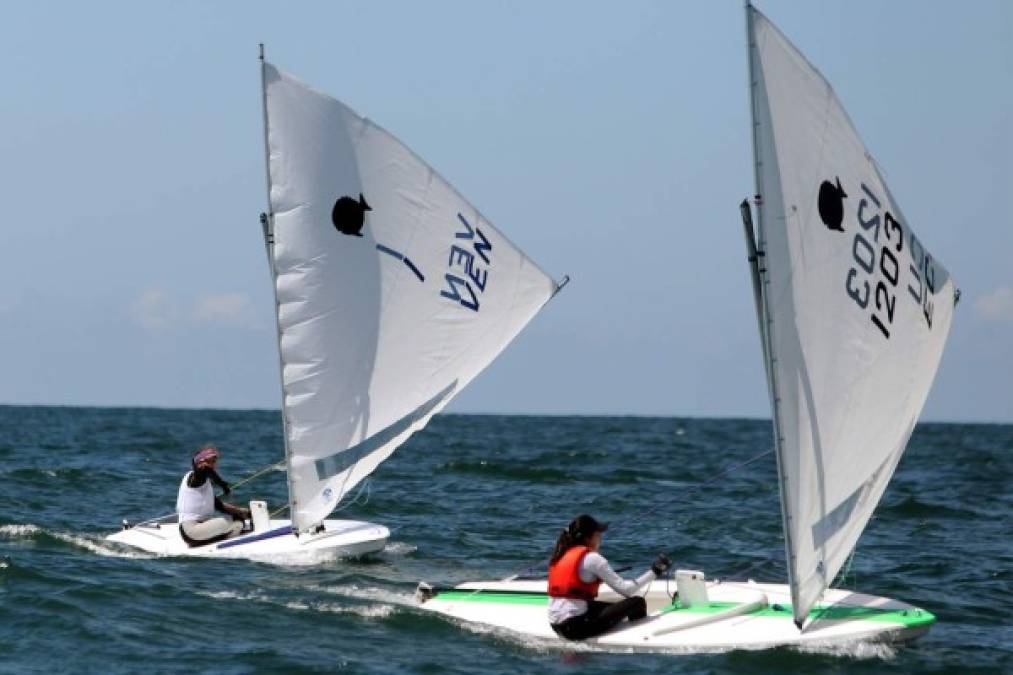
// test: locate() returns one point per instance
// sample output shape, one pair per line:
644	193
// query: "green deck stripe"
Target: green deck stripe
508	597
906	617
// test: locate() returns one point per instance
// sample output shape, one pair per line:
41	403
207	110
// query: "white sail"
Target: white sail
857	311
393	292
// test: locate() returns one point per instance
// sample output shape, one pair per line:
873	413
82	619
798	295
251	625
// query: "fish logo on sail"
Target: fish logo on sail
831	204
348	215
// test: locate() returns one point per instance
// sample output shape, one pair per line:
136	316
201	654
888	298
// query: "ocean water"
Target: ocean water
470	497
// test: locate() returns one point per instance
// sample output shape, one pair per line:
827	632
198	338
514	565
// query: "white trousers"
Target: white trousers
215	526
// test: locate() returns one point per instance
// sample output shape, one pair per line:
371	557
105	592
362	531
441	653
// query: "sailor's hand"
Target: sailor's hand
226	489
661	565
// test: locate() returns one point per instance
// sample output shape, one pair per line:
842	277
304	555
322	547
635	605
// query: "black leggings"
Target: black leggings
601	617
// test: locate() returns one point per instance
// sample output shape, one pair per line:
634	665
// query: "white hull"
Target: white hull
339	538
739	615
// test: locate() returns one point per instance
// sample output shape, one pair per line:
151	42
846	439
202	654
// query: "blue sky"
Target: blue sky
608	140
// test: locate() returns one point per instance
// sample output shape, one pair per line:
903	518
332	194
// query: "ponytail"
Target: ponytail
563	544
579	531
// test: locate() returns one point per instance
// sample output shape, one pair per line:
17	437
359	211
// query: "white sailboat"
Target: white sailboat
392	292
853	314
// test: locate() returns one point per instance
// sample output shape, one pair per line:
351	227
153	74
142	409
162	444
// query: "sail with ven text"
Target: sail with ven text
393	292
858	311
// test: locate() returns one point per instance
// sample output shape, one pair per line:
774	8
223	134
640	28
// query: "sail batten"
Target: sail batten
857	311
392	291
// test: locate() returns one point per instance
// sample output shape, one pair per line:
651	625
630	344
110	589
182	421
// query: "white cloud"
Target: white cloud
155	310
997	305
227	308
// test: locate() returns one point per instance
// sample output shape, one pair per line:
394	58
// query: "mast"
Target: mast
267	221
761	291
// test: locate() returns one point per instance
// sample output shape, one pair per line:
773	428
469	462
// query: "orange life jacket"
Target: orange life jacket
564	577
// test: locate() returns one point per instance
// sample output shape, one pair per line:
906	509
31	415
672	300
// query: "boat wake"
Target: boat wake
882	651
399	548
19	531
94	544
372	594
376	611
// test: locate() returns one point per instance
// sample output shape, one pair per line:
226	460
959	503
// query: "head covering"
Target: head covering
583	526
205	454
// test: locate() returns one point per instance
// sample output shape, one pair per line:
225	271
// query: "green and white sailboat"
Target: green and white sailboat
853	314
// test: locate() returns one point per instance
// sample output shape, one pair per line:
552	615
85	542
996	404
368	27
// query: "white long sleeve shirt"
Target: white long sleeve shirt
594	567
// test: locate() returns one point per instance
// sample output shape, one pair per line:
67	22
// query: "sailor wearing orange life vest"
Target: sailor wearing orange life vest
576	570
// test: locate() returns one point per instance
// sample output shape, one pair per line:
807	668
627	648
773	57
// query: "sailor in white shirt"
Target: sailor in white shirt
576	570
196	502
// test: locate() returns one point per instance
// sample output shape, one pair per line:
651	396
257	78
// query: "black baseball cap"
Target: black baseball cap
583	526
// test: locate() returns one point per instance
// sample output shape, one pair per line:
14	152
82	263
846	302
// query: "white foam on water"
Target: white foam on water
19	531
855	650
399	548
365	611
374	611
667	483
372	593
95	546
232	595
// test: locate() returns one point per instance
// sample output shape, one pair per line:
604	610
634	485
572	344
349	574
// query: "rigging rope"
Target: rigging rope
232	486
538	565
364	486
842	577
269	467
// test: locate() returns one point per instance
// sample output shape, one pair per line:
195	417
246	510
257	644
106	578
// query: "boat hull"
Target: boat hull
738	615
338	538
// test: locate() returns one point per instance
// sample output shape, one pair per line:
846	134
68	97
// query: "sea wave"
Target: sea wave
15	531
91	543
366	611
373	594
399	548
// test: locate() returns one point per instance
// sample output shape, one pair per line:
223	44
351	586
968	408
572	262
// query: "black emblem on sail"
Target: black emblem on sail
831	204
348	215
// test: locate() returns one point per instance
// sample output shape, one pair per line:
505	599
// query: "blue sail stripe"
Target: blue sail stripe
413	268
340	461
389	251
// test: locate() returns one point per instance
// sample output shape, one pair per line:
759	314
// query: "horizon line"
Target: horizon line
470	413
